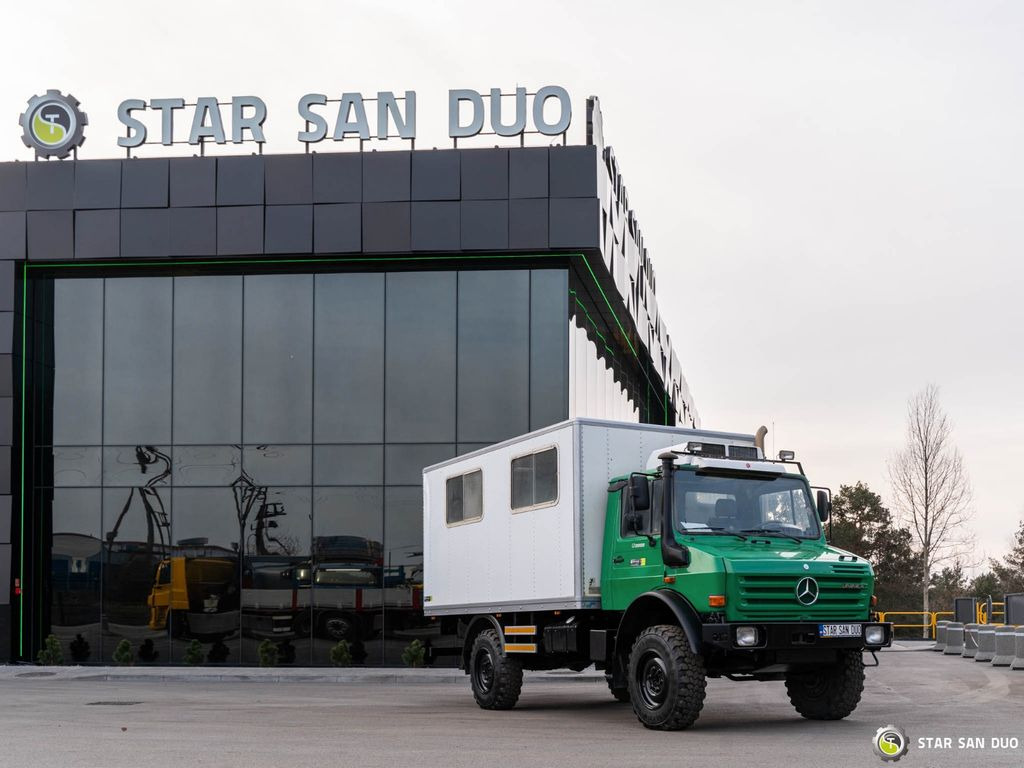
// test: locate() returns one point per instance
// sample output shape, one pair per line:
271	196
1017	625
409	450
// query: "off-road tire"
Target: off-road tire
620	694
828	693
666	679
496	678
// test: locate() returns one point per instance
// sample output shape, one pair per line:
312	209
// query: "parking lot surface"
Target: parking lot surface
83	723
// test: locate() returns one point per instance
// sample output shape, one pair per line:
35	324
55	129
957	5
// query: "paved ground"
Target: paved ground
85	722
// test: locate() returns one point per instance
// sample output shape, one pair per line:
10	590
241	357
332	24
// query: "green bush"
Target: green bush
194	653
51	654
341	654
123	653
267	651
415	654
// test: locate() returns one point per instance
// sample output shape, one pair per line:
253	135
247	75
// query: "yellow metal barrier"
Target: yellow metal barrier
983	617
932	617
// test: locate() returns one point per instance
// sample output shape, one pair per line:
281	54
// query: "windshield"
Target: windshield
781	505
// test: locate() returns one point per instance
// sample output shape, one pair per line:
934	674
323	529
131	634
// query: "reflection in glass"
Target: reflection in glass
210	465
76	466
75	567
278	464
403	573
136	466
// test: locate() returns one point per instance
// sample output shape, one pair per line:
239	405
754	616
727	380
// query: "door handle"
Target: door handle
618	559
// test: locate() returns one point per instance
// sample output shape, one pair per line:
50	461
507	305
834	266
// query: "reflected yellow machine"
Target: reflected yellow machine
197	595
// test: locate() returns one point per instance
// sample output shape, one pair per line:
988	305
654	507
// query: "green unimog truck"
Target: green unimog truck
662	556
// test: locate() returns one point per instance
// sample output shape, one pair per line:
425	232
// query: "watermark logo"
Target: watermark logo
890	743
53	125
807	591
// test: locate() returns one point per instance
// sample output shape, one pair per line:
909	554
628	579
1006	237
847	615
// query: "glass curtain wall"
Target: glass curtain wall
227	467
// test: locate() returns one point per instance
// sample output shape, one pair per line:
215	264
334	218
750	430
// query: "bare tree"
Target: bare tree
930	485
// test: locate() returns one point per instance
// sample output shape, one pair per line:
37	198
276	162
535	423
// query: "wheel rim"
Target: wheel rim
652	680
483	670
338	629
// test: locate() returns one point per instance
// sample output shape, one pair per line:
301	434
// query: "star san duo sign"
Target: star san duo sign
53	124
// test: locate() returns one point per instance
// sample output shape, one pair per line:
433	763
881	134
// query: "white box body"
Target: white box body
548	558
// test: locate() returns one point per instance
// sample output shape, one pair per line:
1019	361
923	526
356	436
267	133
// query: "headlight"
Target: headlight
874	634
746	637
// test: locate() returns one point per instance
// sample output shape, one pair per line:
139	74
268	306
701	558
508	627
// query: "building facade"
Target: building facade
221	378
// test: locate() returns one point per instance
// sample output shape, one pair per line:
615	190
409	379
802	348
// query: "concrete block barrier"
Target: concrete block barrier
1018	653
940	636
954	639
986	643
970	641
1005	646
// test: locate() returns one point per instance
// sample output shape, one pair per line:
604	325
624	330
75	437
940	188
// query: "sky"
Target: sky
832	193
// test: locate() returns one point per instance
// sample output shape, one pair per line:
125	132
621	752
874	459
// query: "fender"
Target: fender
657	606
477	625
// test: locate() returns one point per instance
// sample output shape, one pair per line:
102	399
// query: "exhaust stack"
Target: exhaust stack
759	436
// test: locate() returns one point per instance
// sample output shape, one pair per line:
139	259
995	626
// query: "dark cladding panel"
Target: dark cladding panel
573	171
494	355
12	234
420	362
338	178
193	181
289	179
51	186
386	227
240	180
98	184
12	186
289	229
97	234
528	224
435	175
7	277
575	222
337	228
435	226
144	233
386	176
51	235
484	225
528	172
144	183
193	231
484	174
549	347
240	231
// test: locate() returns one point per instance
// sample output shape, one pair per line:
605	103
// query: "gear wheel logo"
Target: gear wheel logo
890	743
53	125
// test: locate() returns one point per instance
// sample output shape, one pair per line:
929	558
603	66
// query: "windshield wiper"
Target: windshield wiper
772	532
718	531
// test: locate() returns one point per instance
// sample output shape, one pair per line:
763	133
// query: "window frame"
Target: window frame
511	479
464	520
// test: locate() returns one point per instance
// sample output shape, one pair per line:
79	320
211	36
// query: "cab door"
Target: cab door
634	566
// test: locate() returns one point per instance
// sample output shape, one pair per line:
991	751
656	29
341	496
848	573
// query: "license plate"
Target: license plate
839	630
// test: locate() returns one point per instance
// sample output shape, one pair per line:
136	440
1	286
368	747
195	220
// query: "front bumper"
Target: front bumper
791	636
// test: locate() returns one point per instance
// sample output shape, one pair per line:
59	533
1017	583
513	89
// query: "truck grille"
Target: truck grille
774	596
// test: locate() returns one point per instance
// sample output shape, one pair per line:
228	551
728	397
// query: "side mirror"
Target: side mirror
824	506
640	492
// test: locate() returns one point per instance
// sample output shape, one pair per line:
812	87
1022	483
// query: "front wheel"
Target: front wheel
619	693
497	678
828	693
666	679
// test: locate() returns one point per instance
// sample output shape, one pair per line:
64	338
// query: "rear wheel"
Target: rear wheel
497	679
620	693
828	693
666	679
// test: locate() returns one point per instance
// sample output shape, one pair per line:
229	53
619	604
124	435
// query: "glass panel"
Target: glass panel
276	573
349	383
201	593
453	500
278	464
207	360
420	386
136	532
75	466
78	362
137	361
210	465
473	495
278	382
348	593
549	347
136	465
76	556
545	467
522	482
348	464
403	574
494	355
403	464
